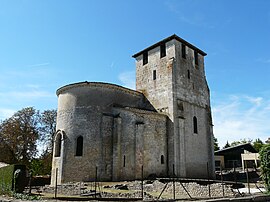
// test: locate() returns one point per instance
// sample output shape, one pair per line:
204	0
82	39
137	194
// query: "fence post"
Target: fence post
96	182
247	176
30	180
142	183
173	183
234	173
208	179
55	190
222	184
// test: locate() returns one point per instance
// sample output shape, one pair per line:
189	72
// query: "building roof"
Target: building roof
242	147
98	84
174	36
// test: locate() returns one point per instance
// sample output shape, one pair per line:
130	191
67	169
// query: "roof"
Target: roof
174	36
246	146
98	84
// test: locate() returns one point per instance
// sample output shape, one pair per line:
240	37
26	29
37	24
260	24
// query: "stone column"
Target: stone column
182	147
139	149
116	168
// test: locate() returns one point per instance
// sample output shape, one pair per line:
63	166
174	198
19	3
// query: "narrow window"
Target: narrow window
162	50
162	159
188	74
124	161
79	146
183	51
154	74
196	57
195	126
58	145
145	58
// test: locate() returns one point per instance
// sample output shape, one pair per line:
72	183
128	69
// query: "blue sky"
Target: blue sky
47	44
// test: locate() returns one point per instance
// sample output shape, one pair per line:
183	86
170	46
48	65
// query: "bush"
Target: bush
26	196
265	165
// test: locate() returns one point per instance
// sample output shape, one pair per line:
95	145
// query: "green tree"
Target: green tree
19	135
265	165
242	141
257	144
216	147
42	165
48	127
227	145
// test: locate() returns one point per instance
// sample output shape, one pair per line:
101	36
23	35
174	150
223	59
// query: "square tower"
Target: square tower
171	75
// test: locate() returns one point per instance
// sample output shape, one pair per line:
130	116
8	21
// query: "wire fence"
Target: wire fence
173	188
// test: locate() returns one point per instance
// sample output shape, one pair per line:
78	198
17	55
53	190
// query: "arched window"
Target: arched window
57	143
195	126
79	146
162	159
124	161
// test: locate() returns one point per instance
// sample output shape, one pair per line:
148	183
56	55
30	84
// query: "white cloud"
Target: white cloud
241	117
29	95
128	79
39	64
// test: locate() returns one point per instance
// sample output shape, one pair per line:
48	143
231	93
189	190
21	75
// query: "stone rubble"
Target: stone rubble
152	190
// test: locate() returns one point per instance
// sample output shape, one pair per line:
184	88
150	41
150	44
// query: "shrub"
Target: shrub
265	165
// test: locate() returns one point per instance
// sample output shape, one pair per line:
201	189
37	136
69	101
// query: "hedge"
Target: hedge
7	181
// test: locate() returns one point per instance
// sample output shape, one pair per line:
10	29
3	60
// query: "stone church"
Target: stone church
163	128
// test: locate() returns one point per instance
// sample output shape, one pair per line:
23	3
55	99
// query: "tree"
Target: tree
19	134
257	144
242	141
227	145
42	165
265	165
216	147
48	127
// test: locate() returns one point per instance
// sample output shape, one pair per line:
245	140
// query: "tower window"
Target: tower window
145	58
188	74
58	145
162	50
183	51
154	74
124	161
196	57
162	159
195	126
79	146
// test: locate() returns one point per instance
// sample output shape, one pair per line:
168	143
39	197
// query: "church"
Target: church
163	128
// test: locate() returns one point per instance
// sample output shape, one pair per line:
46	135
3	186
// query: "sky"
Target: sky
48	44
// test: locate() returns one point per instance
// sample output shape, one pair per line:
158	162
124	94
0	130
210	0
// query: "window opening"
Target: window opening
58	145
162	159
195	126
124	161
145	58
196	57
188	74
162	50
79	146
154	74
183	51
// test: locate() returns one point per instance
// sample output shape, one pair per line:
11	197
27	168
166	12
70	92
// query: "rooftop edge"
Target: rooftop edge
174	36
97	84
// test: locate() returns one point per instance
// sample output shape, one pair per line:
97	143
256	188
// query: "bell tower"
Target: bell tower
171	75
